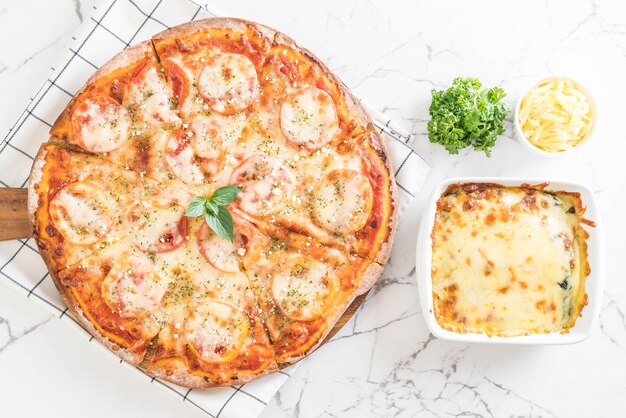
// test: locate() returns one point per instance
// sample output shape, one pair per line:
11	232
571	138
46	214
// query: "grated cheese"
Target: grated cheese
556	115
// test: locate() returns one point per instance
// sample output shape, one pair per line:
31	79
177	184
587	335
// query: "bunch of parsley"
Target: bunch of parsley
467	115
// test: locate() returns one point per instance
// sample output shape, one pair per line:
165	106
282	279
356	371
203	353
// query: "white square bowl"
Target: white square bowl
594	285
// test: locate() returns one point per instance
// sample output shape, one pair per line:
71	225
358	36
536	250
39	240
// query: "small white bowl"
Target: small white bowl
594	285
538	151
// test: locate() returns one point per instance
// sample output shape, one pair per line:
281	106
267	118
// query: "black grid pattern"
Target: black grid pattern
115	25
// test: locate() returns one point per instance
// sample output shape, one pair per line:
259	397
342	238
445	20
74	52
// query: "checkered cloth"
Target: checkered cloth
115	25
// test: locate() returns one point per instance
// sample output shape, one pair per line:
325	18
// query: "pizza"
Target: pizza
204	105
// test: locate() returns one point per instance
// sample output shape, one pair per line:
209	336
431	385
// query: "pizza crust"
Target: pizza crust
128	356
34	205
34	178
381	150
234	24
181	376
371	274
121	60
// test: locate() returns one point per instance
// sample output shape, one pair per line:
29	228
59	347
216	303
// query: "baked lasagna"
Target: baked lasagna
508	261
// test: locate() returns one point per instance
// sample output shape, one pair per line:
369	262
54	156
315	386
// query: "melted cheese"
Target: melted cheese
100	124
206	138
506	261
267	185
82	213
132	288
195	279
157	225
181	158
556	115
153	98
309	118
303	287
343	201
216	331
228	83
221	253
213	136
262	134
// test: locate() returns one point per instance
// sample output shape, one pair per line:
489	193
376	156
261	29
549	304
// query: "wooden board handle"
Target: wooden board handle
14	214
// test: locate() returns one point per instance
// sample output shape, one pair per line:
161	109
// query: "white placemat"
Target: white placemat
115	25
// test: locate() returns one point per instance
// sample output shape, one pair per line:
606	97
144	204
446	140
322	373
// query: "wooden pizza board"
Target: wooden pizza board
14	224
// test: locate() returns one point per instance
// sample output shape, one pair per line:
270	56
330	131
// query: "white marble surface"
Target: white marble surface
384	362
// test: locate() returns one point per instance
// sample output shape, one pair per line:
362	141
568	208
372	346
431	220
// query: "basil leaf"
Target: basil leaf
216	215
212	208
224	195
222	224
196	207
